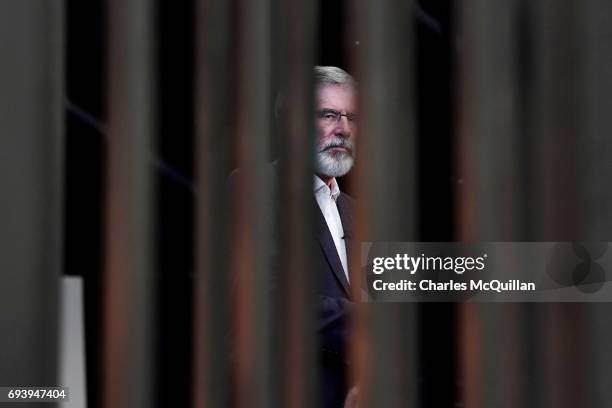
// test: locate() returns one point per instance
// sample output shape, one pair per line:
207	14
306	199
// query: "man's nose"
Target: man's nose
343	127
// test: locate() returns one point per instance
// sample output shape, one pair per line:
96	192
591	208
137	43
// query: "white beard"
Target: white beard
334	164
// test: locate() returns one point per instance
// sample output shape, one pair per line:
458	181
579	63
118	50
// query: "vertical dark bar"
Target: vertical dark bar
251	251
596	147
494	336
129	335
558	122
520	118
489	191
557	116
387	170
597	353
31	123
294	59
597	173
489	161
213	72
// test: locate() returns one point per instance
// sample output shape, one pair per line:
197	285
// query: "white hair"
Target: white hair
333	76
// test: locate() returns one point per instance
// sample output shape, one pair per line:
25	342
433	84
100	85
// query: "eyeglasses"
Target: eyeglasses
332	117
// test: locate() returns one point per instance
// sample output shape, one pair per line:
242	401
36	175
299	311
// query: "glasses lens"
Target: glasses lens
329	116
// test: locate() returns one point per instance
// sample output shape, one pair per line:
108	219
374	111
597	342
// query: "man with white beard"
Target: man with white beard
335	124
335	131
336	128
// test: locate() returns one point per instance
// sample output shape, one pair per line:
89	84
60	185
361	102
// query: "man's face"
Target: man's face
336	130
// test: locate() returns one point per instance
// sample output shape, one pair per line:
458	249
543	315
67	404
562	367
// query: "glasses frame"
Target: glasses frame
351	117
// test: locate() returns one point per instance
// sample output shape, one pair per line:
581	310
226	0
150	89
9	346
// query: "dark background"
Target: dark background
85	158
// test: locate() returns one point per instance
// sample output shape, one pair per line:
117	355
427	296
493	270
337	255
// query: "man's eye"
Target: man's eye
330	116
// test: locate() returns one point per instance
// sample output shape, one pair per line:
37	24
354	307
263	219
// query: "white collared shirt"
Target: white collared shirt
326	198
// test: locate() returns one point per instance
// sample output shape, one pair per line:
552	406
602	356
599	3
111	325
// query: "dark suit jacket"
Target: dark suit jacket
335	306
334	298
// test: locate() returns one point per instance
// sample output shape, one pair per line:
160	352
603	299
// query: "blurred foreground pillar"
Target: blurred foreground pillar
294	33
386	194
535	83
31	117
213	110
129	278
250	257
598	192
254	297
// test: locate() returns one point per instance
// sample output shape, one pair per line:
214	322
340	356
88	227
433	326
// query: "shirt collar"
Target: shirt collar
320	187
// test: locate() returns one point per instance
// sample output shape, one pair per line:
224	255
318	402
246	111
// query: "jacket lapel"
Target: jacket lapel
329	248
345	208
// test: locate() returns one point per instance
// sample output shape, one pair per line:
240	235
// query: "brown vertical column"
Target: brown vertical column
251	238
489	140
129	298
214	114
257	256
596	148
520	114
31	124
557	123
557	117
490	190
597	173
294	26
386	172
